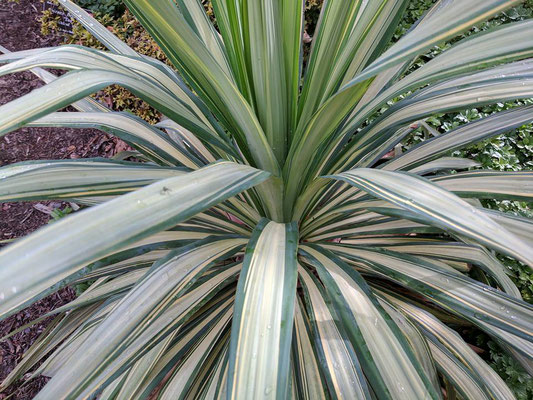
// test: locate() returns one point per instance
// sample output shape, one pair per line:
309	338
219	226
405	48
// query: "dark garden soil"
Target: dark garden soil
20	30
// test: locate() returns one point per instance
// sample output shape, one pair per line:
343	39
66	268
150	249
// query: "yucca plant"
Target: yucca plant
266	244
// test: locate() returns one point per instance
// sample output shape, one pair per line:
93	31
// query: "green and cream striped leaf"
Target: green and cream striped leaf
416	340
77	178
226	14
516	185
211	387
117	264
479	303
441	335
319	129
460	377
378	227
356	218
496	74
332	32
98	231
389	363
12	56
370	35
216	220
144	137
449	20
460	252
387	77
140	254
79	84
501	44
207	380
169	279
361	209
101	292
384	133
188	317
261	26
83	328
59	329
339	363
438	207
199	68
99	31
182	383
194	13
455	139
521	227
188	336
444	163
86	105
168	91
292	28
259	355
186	138
309	381
78	57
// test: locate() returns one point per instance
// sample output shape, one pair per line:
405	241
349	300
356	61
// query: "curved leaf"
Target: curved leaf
438	207
93	233
388	362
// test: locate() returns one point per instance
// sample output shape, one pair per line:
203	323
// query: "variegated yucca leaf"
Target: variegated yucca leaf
261	245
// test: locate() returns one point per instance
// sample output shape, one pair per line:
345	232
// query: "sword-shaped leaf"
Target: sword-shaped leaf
438	207
489	184
452	18
149	140
261	335
99	31
389	363
77	178
168	280
309	381
340	365
479	303
65	247
444	337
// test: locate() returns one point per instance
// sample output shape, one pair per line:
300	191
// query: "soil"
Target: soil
20	30
12	349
